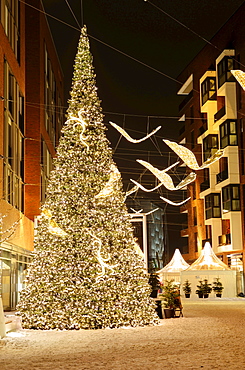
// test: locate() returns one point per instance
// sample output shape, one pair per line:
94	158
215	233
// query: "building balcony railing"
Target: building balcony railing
222	176
224	239
220	114
186	100
204	185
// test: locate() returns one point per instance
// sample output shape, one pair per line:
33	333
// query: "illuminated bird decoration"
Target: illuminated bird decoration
131	191
239	76
53	226
129	138
175	203
165	179
189	158
109	186
80	122
102	261
156	187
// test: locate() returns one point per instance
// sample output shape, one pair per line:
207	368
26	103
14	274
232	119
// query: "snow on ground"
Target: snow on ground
209	336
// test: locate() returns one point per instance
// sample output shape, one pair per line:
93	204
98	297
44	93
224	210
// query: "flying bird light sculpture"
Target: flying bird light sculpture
175	203
109	186
189	158
53	226
129	138
239	76
156	187
80	122
165	179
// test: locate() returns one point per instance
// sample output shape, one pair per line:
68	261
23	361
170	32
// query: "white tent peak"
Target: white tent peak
208	260
176	264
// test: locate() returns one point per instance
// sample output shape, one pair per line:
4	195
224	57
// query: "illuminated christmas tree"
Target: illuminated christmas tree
86	271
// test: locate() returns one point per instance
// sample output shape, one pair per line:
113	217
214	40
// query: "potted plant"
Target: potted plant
199	289
170	293
187	289
218	287
207	288
155	284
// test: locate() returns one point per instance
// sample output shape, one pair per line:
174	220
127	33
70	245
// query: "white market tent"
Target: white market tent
173	269
209	266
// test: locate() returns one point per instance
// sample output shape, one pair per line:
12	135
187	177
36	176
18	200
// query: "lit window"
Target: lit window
224	74
10	21
228	133
208	89
210	146
212	206
231	198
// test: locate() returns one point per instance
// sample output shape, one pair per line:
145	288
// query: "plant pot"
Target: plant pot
205	295
168	313
200	295
219	295
187	295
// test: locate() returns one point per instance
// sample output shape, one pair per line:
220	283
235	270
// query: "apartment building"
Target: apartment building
31	116
214	111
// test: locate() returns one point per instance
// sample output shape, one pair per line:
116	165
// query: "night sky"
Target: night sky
132	93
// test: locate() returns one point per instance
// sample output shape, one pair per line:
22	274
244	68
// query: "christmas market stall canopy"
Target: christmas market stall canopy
209	266
173	268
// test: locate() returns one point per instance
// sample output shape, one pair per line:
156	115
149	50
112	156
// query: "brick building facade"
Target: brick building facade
31	116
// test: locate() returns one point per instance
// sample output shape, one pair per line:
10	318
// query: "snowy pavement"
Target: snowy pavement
209	336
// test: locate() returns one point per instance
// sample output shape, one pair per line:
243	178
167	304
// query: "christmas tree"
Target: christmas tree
86	271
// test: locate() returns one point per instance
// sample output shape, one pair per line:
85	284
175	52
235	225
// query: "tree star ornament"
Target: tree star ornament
189	158
165	179
129	138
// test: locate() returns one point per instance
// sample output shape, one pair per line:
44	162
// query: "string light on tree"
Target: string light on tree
91	277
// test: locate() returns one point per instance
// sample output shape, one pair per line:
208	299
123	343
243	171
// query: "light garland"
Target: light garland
102	261
189	158
239	76
175	203
165	179
81	123
129	138
53	226
109	186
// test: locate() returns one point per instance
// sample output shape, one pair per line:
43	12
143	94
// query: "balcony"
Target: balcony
219	114
224	239
205	185
222	176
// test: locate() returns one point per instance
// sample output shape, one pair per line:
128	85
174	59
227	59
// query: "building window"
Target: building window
13	140
224	74
231	198
196	242
10	21
46	167
50	99
212	206
195	215
210	146
228	133
208	89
